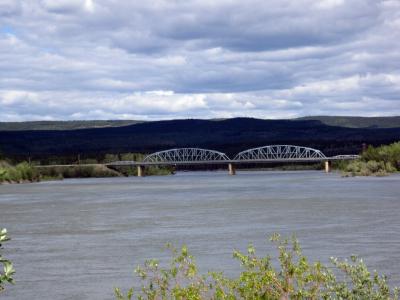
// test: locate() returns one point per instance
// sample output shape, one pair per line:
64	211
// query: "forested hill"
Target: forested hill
230	136
357	122
64	125
342	121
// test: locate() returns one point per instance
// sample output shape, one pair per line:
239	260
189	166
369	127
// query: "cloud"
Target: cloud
9	7
67	6
83	59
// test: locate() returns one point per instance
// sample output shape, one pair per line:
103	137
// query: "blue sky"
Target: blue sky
149	60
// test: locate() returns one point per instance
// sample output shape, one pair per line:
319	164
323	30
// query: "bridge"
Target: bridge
265	154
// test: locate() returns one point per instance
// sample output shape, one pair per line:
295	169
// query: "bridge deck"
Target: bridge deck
224	162
214	162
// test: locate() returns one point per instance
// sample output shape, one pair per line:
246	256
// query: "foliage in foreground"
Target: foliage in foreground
377	161
7	268
295	278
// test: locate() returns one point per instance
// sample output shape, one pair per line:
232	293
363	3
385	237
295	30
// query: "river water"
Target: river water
80	238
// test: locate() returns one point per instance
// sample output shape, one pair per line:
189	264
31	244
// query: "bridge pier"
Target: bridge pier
140	171
232	169
328	166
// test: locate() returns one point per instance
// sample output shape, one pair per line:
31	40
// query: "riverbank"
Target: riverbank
96	171
286	167
374	161
80	166
27	173
88	171
20	173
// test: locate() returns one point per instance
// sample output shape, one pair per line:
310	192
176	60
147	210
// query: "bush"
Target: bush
389	154
6	275
3	174
20	173
377	161
361	168
295	278
27	172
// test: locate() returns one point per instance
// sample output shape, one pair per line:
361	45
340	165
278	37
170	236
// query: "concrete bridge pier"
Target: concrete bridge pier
232	169
328	166
140	171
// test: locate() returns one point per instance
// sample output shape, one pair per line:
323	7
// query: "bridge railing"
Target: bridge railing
346	156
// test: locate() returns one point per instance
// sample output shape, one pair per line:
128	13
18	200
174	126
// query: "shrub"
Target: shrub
362	168
3	174
20	173
295	278
27	172
386	153
377	161
6	275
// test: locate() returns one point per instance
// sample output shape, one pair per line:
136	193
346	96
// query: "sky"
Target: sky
151	60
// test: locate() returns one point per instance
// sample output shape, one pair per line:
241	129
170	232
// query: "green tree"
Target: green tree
294	278
6	275
376	161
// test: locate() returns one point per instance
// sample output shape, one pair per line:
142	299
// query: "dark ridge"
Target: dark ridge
64	125
342	121
357	122
229	136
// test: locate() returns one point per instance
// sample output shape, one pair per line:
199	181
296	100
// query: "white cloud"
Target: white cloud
148	60
9	98
66	6
328	4
89	5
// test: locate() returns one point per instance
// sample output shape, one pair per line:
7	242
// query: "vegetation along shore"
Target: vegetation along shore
57	169
374	161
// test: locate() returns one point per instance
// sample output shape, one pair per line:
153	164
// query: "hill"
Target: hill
230	136
342	121
357	122
64	125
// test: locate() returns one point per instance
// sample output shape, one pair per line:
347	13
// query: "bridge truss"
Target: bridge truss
279	152
185	155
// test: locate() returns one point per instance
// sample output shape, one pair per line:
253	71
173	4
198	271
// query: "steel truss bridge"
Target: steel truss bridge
265	154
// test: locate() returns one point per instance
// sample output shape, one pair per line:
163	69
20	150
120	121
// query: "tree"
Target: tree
292	276
6	275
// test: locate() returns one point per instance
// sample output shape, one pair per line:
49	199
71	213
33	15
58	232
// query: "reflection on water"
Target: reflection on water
77	239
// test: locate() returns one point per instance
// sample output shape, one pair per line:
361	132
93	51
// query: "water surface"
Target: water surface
77	239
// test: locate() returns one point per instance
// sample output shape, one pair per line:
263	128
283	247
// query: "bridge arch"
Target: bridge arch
184	155
279	152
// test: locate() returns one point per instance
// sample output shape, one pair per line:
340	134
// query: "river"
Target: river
80	238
